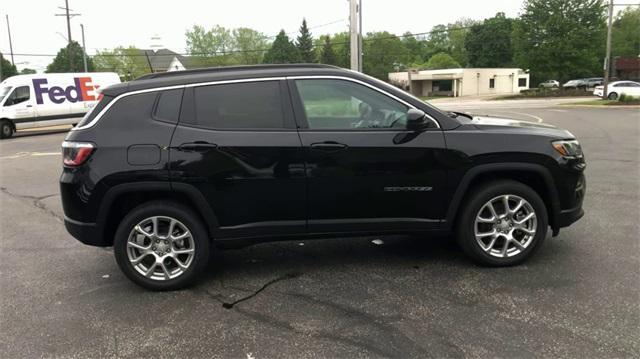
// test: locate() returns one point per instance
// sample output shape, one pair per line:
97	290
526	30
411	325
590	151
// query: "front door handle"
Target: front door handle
197	146
328	146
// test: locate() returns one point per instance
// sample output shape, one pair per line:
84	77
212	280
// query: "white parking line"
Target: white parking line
29	154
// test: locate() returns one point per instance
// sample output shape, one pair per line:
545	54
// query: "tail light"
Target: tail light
76	153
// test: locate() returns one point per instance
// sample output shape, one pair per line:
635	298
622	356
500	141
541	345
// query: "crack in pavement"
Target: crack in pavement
229	305
282	277
34	201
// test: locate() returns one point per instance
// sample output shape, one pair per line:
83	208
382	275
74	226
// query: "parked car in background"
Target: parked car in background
617	88
41	100
550	84
174	165
594	81
575	84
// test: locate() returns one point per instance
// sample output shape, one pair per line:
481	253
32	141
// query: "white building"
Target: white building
462	82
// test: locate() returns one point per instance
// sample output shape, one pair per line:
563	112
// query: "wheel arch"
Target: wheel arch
533	175
121	199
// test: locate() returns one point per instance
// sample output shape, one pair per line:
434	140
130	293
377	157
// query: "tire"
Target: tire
6	129
613	96
131	244
476	206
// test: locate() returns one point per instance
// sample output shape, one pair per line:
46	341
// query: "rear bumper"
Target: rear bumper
87	233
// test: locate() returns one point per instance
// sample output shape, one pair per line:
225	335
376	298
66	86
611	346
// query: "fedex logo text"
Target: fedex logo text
80	91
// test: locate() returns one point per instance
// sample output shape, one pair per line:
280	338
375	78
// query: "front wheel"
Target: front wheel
613	96
161	246
502	223
6	129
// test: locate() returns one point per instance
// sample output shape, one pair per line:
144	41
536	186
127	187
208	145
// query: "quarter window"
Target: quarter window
168	107
339	104
239	105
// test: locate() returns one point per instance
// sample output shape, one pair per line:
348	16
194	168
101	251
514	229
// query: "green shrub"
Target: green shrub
627	98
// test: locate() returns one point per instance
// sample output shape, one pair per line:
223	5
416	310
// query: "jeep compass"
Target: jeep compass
170	167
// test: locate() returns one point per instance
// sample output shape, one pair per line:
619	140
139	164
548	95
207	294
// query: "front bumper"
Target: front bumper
567	217
87	233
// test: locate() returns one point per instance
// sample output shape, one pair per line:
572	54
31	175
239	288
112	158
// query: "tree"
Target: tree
327	55
27	71
449	39
489	44
342	49
210	47
560	39
414	47
382	52
441	60
625	40
61	61
250	46
128	62
304	43
7	68
282	51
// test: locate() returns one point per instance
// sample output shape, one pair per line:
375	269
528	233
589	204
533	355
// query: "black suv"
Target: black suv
171	166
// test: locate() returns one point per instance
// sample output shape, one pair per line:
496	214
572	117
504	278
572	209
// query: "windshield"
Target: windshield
4	91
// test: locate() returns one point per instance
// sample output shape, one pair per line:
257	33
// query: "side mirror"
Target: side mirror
416	119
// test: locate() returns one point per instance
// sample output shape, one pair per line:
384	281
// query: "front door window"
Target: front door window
19	95
339	104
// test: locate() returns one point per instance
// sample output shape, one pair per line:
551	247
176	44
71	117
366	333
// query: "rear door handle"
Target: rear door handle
328	146
197	146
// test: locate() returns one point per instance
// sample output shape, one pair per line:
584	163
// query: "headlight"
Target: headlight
568	148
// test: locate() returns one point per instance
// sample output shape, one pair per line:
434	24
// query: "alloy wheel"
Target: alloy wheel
160	248
505	226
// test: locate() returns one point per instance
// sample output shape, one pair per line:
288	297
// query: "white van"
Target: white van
41	100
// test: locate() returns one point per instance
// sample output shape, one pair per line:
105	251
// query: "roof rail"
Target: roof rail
205	70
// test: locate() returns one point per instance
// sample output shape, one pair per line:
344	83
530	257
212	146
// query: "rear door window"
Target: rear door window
248	105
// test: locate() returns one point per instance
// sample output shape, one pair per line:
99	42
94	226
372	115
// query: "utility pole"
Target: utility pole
68	15
607	59
10	44
360	50
355	34
84	50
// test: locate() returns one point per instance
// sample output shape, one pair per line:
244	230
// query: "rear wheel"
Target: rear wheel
502	223
161	246
613	96
6	129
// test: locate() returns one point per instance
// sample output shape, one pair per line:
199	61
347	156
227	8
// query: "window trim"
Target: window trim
252	79
175	87
298	101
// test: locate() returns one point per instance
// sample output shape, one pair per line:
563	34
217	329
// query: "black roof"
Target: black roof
176	78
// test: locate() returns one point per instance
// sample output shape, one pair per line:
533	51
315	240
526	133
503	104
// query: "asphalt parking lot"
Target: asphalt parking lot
407	297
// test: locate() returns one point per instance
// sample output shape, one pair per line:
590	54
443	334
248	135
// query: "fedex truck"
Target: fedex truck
41	100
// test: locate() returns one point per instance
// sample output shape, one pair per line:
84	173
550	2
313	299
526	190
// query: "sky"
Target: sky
36	30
